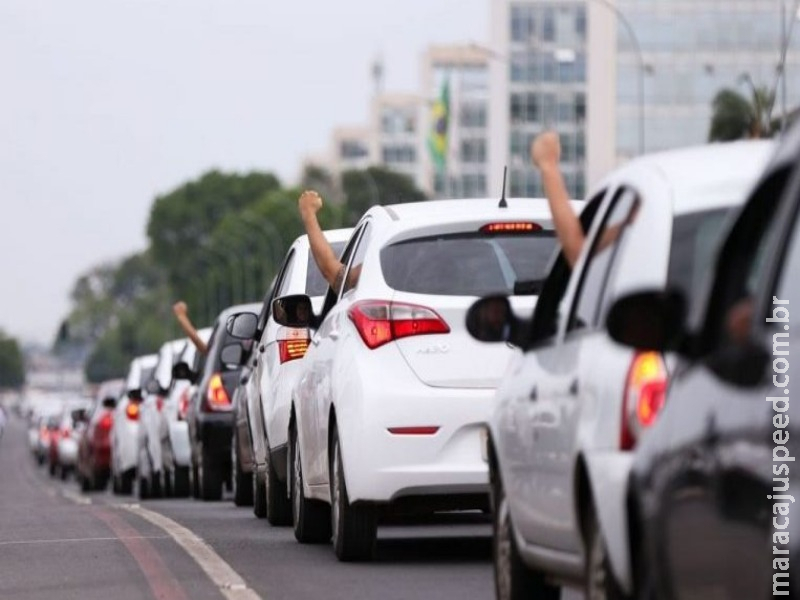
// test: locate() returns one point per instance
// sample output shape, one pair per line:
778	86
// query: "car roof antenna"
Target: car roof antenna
503	203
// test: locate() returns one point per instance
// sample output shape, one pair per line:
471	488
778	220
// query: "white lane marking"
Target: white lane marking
94	539
229	582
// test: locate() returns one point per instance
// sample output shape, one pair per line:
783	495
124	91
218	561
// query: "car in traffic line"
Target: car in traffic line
390	406
573	407
713	487
93	467
64	438
276	366
125	431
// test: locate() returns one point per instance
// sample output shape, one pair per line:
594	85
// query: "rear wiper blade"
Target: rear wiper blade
532	287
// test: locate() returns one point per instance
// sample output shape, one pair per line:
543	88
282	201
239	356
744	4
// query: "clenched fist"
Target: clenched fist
546	150
310	203
180	309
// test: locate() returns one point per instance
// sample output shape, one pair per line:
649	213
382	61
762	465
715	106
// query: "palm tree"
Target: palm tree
735	117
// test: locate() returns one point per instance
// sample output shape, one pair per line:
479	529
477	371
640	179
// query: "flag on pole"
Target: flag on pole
438	137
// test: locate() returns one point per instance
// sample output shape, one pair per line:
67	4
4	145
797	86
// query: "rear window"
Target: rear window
469	264
694	238
315	282
147	374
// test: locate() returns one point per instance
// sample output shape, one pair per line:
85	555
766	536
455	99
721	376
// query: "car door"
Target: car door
722	422
315	404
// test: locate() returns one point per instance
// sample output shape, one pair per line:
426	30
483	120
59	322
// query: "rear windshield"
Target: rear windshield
315	282
147	374
469	264
694	238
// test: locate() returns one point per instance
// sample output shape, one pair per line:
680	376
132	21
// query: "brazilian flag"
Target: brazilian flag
437	138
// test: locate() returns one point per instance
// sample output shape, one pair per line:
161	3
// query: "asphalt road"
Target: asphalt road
57	543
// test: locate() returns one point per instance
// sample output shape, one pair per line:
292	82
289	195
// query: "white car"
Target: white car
274	373
394	395
125	431
572	407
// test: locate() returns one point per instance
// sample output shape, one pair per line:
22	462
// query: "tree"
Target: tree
376	185
735	117
12	365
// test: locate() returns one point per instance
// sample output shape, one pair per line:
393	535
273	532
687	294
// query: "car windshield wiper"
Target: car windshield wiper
531	287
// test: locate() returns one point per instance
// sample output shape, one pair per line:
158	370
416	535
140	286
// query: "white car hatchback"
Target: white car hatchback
394	395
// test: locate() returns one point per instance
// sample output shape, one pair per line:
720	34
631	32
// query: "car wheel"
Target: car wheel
354	527
512	578
126	480
195	482
51	468
259	495
143	488
242	482
99	482
312	519
156	485
600	581
180	482
211	479
85	483
65	471
279	510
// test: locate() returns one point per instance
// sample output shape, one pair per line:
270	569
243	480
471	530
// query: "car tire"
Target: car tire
242	482
600	581
157	485
99	482
512	578
354	527
312	519
259	495
279	509
180	482
211	479
85	483
126	480
195	482
65	471
51	468
143	488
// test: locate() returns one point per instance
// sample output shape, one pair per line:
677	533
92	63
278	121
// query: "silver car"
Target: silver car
574	404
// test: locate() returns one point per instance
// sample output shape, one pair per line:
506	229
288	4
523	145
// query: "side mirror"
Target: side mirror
491	319
182	371
79	415
242	326
135	394
231	356
109	402
293	311
652	320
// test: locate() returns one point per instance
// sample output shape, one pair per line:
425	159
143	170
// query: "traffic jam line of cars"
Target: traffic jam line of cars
609	415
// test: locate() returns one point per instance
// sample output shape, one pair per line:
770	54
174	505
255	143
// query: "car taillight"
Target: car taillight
217	397
513	227
132	411
44	433
183	405
159	403
105	422
292	343
65	432
379	322
644	395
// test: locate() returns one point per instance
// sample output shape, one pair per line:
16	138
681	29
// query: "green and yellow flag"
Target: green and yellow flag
438	136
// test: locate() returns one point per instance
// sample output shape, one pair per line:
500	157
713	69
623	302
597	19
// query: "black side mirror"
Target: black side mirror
242	326
231	356
652	320
293	311
79	415
109	402
182	371
135	394
491	319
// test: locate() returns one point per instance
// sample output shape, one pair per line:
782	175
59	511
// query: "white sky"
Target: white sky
105	103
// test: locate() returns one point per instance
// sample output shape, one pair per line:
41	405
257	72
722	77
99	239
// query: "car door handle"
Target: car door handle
534	395
573	387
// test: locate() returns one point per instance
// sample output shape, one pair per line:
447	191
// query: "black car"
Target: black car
714	484
210	412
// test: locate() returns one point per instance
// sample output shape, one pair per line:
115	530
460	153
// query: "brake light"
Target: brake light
159	403
516	227
105	422
413	430
217	397
379	322
644	395
292	343
66	432
183	405
132	411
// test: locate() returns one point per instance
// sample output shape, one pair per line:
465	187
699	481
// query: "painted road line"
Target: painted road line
91	539
76	498
229	582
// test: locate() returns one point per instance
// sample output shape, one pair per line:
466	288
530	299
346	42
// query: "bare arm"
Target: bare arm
180	310
546	154
326	259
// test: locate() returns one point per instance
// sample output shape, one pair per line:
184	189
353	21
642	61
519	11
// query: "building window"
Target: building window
399	154
352	149
473	151
474	186
580	22
473	115
395	121
580	107
549	25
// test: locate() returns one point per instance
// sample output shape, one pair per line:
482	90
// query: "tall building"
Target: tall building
396	134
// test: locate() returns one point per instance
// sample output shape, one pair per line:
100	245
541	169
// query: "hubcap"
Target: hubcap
502	555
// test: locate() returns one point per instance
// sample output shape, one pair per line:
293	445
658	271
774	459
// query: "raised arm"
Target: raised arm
309	204
181	313
546	154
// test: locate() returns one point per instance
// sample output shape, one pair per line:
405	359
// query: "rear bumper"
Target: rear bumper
67	452
179	440
125	443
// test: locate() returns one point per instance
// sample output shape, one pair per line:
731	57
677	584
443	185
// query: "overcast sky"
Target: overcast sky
105	103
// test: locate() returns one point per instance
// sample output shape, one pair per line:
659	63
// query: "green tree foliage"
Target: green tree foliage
12	365
375	185
734	117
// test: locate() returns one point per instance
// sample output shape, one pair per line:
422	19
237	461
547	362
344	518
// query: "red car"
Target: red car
94	444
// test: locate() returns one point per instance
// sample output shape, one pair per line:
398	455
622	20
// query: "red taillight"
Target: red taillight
645	392
413	430
65	432
132	411
183	405
292	343
379	322
105	422
217	397
159	403
514	227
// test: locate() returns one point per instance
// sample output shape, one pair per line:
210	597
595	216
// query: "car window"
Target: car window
332	295
694	239
354	269
468	264
606	245
315	282
286	277
788	280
